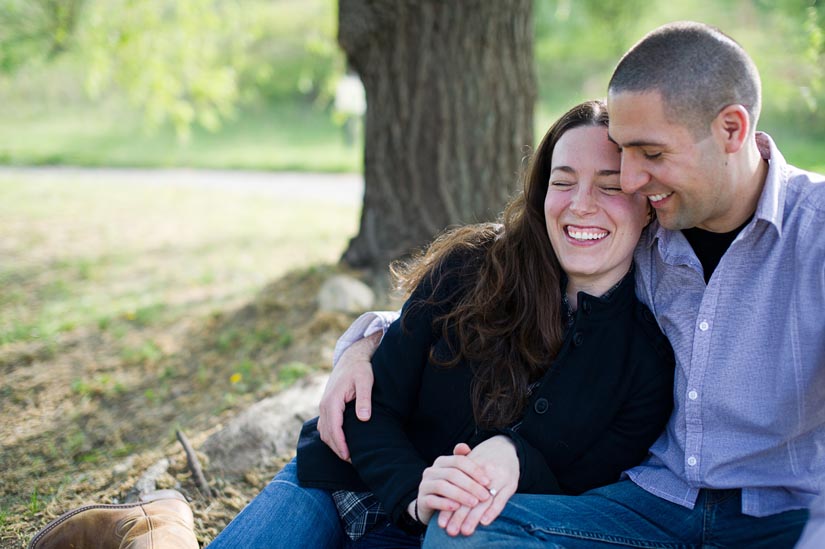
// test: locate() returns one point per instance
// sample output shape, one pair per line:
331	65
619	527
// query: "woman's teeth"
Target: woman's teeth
586	235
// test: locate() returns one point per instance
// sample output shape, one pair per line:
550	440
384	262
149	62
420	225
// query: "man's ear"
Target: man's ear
732	126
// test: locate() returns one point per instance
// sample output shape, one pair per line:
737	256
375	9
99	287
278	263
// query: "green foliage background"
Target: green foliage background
249	83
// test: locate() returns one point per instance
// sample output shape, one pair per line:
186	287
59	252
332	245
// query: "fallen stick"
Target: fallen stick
194	465
147	482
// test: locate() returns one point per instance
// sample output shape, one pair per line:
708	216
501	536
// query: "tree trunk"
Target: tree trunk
450	89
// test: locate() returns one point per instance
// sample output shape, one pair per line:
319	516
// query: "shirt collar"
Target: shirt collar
771	205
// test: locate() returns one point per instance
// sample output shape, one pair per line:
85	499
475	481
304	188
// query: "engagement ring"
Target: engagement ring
493	491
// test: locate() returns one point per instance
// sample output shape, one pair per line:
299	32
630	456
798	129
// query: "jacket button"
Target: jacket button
586	307
541	405
578	339
649	316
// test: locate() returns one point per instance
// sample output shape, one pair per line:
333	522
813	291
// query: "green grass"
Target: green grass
280	137
119	257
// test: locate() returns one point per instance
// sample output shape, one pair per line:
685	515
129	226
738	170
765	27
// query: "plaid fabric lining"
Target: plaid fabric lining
359	512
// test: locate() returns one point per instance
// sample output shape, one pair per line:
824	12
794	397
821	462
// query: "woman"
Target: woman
527	331
519	340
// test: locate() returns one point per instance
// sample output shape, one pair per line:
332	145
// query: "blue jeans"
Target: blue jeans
624	515
285	515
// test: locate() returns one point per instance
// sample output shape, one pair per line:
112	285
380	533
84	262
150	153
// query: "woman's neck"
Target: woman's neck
595	287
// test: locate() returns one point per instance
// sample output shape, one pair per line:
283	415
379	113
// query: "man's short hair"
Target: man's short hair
698	70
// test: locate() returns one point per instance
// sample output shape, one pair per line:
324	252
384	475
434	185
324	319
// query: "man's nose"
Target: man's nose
632	177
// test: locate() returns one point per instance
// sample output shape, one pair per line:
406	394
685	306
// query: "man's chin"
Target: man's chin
669	222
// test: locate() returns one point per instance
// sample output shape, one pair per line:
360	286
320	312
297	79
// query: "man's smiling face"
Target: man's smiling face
682	177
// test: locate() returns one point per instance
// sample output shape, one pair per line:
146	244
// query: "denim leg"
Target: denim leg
624	515
284	515
605	517
813	537
726	526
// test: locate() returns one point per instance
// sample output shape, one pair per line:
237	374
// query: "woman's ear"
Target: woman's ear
731	127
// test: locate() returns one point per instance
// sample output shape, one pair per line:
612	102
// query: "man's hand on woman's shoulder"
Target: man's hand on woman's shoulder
351	379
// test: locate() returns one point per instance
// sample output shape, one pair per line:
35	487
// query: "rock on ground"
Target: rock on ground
342	293
267	429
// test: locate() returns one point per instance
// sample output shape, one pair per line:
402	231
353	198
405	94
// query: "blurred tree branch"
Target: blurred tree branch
32	30
180	60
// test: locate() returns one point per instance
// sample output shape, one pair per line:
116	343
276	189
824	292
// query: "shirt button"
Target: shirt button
692	461
578	339
541	406
704	326
693	395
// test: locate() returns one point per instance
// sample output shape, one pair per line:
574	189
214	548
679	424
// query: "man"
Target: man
734	272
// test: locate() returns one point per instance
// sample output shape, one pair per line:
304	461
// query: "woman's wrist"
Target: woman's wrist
412	510
411	521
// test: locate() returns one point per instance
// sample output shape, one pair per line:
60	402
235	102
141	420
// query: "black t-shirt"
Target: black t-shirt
709	247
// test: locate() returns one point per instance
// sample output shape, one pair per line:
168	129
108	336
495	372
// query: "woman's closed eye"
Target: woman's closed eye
562	184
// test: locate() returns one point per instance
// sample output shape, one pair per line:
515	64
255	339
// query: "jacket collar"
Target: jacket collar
615	299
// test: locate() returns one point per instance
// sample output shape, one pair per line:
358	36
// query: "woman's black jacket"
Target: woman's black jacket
603	401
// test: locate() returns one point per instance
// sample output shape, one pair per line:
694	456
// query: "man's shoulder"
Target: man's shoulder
804	210
805	189
804	214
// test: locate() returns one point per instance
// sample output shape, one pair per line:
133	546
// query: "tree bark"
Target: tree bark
450	89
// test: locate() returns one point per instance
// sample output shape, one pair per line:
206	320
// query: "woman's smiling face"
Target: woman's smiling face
593	226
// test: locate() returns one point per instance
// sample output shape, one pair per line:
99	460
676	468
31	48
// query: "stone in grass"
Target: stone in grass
345	294
266	430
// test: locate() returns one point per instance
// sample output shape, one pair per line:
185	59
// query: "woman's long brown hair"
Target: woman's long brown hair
507	323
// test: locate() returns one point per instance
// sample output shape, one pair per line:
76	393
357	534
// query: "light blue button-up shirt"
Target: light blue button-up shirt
749	392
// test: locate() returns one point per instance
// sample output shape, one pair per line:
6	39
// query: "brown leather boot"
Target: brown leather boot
161	519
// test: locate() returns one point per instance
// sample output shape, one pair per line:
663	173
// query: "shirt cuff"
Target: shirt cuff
364	326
